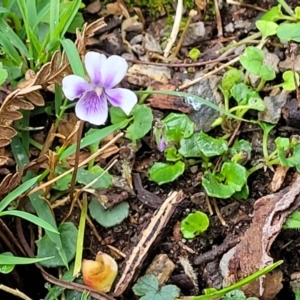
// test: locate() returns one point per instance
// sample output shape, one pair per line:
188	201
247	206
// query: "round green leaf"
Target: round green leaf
46	248
289	80
230	78
267	28
178	126
108	217
194	54
224	184
194	224
162	173
289	31
252	59
142	122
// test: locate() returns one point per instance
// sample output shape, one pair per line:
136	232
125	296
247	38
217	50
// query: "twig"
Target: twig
192	14
218	18
184	86
15	292
175	28
40	187
246	5
173	65
74	175
218	212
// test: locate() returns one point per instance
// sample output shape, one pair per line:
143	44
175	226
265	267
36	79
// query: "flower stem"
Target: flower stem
73	181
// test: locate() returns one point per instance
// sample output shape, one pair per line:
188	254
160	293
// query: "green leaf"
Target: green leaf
3	74
147	287
177	126
252	59
293	221
163	173
274	14
284	147
230	78
201	144
267	72
62	184
29	217
224	184
46	247
242	148
194	54
172	154
267	28
297	12
289	80
117	115
17	192
194	224
108	217
142	122
85	177
73	57
289	32
9	259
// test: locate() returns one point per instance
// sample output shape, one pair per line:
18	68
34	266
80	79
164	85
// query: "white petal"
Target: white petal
92	108
123	98
94	62
113	71
74	86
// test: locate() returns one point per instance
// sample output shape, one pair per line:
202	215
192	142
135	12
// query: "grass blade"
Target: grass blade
80	237
29	217
54	18
16	260
73	57
41	207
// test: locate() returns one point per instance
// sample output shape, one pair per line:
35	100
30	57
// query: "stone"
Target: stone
204	116
195	34
151	44
274	104
288	64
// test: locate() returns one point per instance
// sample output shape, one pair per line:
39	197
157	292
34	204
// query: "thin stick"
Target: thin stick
15	292
73	180
192	13
245	5
184	86
218	212
175	28
218	18
40	187
208	205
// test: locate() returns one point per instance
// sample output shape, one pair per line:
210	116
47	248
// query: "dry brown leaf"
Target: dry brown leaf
66	127
252	253
10	182
278	178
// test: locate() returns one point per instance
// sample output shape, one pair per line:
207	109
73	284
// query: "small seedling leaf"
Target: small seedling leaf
230	78
289	32
147	287
234	295
201	144
142	122
46	248
239	92
274	14
289	80
267	28
163	173
194	54
252	59
267	72
108	217
194	224
241	147
224	184
117	115
172	154
293	221
178	126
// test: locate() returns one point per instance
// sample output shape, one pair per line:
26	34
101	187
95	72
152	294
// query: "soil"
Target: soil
203	252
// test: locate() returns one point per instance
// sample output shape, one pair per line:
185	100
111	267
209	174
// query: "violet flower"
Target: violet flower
104	74
161	146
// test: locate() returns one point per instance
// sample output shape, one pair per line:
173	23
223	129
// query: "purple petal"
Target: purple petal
92	108
123	98
93	62
162	145
74	86
113	71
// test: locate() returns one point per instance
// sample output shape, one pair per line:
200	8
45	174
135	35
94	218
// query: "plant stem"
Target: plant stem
286	8
254	169
261	85
73	181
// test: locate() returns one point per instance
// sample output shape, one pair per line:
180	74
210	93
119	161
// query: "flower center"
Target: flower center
98	90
